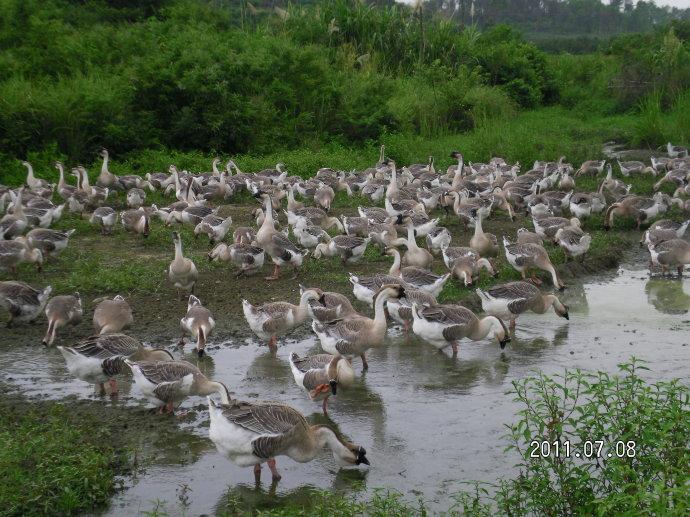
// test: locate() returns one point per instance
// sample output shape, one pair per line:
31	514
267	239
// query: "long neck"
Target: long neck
379	311
104	166
324	437
268	216
207	387
214	167
61	180
395	268
84	179
483	327
178	250
301	310
478	231
411	241
30	173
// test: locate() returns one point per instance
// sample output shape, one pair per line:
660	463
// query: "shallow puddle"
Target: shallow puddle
430	423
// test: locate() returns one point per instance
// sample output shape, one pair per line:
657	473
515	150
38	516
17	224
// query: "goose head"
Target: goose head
103	153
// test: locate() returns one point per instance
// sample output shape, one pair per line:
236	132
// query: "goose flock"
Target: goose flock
398	208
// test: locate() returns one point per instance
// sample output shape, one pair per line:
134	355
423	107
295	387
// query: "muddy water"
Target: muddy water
428	422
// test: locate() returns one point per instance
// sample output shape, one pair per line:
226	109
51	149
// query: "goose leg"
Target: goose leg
169	408
535	280
276	273
454	347
511	326
101	389
113	387
680	271
257	473
325	406
274	470
272	344
365	365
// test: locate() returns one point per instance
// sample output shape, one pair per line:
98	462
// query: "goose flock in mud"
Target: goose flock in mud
402	202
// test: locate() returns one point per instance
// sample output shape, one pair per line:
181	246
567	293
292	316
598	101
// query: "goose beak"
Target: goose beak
504	342
334	387
362	457
200	352
566	316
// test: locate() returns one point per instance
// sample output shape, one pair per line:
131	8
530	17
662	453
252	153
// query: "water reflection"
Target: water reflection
667	295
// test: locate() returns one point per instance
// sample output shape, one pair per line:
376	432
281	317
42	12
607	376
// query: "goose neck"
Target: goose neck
395	267
483	327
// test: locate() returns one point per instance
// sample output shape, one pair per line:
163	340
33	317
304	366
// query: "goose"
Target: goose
135	221
314	215
13	253
167	383
273	319
247	257
243	235
384	235
254	433
483	243
32	181
566	183
669	254
546	227
524	236
329	307
437	239
447	325
309	235
65	190
353	336
50	242
467	268
106	178
402	206
453	253
591	167
466	212
400	309
198	323
374	214
430	198
13	225
639	207
580	204
677	177
634	167
664	230
417	277
215	227
112	315
676	151
190	215
136	197
574	241
281	250
525	256
350	249
182	272
322	375
95	194
99	359
324	196
105	217
293	205
23	302
414	255
508	301
365	288
356	226
61	311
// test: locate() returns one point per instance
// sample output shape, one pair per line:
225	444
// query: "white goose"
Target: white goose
417	277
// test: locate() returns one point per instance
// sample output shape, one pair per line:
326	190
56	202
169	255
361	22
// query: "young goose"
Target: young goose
467	268
414	255
182	272
215	227
322	375
23	302
112	315
353	336
447	325
254	433
136	197
400	309
309	235
135	221
271	320
105	217
524	236
417	277
485	244
509	300
437	239
167	383
526	256
574	241
245	256
13	253
61	311
350	249
98	359
198	323
50	242
669	254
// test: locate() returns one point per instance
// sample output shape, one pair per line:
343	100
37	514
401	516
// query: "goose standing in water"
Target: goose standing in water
254	433
322	375
447	325
273	319
98	359
167	383
400	309
353	336
61	311
23	302
526	256
509	300
198	323
182	272
112	315
674	253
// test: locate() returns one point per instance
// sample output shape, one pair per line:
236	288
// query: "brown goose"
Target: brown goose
526	256
112	315
322	375
61	311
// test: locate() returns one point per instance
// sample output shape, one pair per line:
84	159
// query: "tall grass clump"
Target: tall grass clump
649	127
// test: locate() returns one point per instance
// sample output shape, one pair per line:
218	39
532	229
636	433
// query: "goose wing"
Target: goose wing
166	372
312	362
523	253
347	242
346	332
281	241
455	318
418	276
19	293
277	314
107	345
520	295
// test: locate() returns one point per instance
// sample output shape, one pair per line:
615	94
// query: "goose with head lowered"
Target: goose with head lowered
167	383
322	375
528	256
447	325
509	300
23	302
349	249
255	433
61	311
112	315
198	323
99	359
353	336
